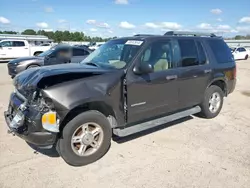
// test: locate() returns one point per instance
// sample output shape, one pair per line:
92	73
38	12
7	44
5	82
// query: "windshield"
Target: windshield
114	54
46	53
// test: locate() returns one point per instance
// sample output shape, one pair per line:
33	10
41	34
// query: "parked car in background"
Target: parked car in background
53	56
13	48
94	46
241	53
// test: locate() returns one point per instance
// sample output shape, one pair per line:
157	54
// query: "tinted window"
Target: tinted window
18	43
159	55
63	52
242	49
202	55
189	55
79	52
6	44
221	51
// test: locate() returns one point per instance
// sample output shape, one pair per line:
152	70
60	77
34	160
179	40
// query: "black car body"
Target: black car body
133	93
58	55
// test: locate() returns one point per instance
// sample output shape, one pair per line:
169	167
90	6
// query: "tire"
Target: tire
70	152
207	110
246	57
32	66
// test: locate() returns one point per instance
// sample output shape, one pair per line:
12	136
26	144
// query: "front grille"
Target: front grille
11	69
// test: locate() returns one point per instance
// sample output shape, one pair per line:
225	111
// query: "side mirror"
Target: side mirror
143	68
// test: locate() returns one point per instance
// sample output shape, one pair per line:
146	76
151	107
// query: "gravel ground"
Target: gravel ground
189	153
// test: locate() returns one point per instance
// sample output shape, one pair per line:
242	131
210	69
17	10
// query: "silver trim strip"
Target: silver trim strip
138	104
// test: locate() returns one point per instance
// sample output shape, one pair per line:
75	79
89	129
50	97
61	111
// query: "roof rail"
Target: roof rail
143	35
187	33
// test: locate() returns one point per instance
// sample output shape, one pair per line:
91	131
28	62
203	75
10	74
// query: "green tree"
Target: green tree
29	32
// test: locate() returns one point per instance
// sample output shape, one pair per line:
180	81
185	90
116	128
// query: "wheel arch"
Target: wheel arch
37	52
221	83
32	64
100	106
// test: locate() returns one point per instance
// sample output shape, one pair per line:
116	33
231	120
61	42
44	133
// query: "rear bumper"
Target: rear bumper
231	86
31	130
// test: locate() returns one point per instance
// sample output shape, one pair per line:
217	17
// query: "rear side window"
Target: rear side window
18	43
203	58
189	54
221	51
242	49
79	52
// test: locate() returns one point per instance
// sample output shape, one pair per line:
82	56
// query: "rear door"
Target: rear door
78	55
194	71
20	49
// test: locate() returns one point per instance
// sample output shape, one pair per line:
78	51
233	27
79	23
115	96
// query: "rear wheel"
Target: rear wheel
212	102
246	57
85	139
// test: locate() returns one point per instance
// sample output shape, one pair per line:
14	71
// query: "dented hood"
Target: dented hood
31	77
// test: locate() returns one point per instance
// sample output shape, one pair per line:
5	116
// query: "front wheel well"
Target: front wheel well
37	53
99	106
221	84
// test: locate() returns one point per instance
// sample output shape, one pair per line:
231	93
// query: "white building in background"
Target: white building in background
238	43
32	39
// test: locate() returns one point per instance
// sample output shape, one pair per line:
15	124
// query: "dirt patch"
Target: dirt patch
246	93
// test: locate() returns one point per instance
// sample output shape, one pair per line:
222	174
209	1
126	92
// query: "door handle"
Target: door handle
207	71
26	48
9	48
171	77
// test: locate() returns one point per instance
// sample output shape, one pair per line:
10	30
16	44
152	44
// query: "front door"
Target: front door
6	49
156	93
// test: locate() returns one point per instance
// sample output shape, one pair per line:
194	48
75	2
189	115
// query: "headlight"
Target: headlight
50	121
46	104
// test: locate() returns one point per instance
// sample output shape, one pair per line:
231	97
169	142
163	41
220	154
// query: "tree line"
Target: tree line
59	36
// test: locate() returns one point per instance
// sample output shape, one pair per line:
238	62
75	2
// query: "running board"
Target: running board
156	122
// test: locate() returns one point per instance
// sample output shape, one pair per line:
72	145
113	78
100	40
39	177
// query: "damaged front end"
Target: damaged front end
33	120
41	99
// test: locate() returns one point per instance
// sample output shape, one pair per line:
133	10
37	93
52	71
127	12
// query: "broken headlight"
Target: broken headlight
47	102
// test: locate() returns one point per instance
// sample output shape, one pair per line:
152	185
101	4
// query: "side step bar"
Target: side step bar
156	122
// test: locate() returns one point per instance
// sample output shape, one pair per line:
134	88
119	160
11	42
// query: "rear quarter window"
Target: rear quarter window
221	51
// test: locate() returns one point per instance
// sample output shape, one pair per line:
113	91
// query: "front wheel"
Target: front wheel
246	57
212	102
85	139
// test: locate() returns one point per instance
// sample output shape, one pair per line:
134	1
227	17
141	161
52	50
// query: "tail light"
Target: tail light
234	72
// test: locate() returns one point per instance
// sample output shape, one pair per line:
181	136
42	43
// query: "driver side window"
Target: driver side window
7	44
158	55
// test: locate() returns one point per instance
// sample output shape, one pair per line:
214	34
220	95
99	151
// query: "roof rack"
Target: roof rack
187	33
143	35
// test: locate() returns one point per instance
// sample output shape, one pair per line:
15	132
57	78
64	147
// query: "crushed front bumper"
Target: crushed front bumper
31	129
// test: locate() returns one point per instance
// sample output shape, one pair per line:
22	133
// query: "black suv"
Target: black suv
127	85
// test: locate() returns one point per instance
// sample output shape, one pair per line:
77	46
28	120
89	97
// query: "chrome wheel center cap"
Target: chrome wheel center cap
87	139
